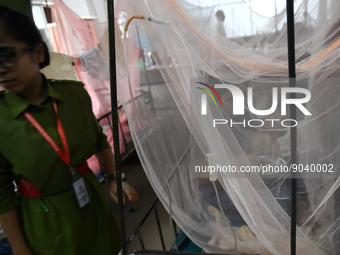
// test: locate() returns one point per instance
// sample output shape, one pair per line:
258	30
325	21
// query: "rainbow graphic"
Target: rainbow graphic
204	97
208	92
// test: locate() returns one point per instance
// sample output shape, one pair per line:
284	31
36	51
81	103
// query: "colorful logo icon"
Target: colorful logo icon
204	97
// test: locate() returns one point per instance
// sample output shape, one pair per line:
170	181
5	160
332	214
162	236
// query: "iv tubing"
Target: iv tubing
151	19
129	21
139	117
193	73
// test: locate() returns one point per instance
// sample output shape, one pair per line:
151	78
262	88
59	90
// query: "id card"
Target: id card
81	192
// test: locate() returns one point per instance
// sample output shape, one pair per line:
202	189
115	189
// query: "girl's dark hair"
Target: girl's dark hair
21	28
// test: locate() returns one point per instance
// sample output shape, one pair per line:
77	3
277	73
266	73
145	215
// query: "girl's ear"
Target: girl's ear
39	53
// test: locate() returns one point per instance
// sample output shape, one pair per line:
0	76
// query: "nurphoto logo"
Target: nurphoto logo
238	104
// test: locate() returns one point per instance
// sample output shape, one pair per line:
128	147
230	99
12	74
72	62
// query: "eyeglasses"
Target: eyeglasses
8	58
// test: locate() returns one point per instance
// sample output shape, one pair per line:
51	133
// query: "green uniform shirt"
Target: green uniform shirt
65	229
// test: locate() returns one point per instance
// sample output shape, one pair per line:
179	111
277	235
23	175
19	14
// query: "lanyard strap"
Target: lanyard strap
63	155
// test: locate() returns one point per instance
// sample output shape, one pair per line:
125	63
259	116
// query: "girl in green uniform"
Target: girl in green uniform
47	132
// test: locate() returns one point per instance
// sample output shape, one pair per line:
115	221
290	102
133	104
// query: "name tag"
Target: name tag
81	192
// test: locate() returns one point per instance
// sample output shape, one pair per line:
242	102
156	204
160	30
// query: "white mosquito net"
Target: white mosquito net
180	133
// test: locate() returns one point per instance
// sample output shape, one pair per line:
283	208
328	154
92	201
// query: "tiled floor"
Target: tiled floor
135	211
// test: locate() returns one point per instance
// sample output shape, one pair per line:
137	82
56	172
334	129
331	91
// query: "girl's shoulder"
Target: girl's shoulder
68	89
66	82
67	86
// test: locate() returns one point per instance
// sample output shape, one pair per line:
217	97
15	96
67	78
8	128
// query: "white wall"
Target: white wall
78	6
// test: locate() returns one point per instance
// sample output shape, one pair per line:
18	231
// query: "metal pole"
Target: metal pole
139	226
306	14
159	228
293	131
174	225
251	18
141	242
114	107
276	23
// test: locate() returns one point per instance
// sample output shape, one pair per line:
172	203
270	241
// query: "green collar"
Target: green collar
17	104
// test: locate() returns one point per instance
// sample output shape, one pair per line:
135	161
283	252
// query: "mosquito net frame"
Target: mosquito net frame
188	50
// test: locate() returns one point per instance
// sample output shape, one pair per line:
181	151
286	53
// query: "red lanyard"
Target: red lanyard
65	154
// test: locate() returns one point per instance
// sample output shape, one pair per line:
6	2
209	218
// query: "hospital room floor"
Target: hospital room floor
135	211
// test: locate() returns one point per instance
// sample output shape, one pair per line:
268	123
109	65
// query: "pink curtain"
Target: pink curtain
73	36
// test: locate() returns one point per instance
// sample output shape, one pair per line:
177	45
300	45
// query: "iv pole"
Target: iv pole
293	130
114	107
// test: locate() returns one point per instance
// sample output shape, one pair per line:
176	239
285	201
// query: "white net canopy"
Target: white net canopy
185	140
